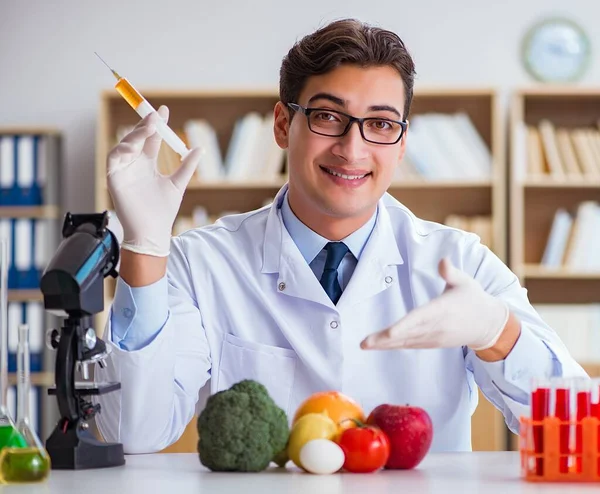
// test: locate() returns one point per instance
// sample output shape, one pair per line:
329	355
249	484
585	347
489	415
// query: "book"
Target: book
557	239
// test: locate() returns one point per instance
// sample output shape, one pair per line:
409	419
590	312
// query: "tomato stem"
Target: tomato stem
358	422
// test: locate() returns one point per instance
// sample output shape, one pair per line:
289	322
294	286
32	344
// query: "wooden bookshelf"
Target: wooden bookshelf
430	199
535	200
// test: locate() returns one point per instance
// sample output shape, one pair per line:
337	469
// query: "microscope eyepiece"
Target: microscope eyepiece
72	283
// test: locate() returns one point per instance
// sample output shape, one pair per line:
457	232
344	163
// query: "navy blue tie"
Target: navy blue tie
329	280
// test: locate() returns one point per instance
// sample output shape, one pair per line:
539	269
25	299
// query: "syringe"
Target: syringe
143	108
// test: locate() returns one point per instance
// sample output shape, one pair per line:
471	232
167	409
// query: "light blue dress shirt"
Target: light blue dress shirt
132	333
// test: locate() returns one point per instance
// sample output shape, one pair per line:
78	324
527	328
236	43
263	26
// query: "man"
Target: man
336	285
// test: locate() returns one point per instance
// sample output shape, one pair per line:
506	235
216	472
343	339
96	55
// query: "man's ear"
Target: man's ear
281	125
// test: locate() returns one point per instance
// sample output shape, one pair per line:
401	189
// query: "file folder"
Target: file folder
27	190
34	317
24	252
7	169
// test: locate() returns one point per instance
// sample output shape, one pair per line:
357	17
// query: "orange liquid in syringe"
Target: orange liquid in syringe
129	94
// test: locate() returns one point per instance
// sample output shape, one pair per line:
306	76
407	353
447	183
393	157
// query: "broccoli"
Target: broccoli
242	429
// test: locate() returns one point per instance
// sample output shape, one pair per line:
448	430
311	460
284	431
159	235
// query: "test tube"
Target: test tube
540	408
583	390
562	411
595	406
595	412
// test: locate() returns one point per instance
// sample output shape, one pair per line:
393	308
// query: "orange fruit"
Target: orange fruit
338	407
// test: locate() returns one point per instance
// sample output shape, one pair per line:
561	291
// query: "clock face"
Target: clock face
556	50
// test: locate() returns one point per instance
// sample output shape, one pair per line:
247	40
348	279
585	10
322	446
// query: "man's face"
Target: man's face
315	190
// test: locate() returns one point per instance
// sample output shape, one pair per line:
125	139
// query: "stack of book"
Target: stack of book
446	147
251	154
574	239
562	153
442	147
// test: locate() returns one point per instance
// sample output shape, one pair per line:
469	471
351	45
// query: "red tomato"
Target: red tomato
366	448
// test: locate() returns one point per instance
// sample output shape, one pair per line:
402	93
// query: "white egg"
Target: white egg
322	456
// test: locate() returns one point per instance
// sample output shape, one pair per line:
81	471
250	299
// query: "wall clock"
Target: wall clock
556	50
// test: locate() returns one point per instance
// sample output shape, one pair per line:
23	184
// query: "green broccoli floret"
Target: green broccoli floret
241	429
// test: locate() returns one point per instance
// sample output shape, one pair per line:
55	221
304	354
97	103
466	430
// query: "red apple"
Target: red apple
410	431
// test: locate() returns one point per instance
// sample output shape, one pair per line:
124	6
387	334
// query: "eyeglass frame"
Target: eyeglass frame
306	111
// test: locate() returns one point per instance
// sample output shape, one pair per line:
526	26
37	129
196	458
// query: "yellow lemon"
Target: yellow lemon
308	427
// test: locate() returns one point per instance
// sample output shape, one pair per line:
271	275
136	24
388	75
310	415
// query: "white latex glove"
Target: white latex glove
147	202
464	315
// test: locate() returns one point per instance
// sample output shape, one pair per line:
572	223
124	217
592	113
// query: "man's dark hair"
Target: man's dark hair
346	41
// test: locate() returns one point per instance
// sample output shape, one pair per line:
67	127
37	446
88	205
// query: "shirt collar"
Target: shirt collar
310	243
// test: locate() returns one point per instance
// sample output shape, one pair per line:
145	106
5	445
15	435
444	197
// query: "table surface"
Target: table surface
465	473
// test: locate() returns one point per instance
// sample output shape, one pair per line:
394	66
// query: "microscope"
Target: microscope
72	287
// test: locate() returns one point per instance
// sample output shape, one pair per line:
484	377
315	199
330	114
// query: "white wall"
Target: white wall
49	74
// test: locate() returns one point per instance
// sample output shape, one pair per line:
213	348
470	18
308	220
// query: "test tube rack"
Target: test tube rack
553	465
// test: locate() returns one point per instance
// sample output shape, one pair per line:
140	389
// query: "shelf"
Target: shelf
37	378
560	286
542	272
33	130
442	184
42	212
536	197
244	185
568	290
559	91
566	183
235	185
17	295
208	94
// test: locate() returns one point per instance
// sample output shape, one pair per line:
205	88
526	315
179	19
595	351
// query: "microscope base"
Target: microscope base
77	449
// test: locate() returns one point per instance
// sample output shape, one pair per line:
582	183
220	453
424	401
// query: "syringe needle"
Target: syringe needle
115	73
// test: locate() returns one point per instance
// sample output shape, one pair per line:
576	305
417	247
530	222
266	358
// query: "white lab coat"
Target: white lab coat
244	304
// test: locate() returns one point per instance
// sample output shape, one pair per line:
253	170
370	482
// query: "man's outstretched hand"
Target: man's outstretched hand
464	315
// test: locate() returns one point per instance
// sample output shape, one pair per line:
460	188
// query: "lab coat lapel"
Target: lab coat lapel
376	269
281	255
273	235
296	278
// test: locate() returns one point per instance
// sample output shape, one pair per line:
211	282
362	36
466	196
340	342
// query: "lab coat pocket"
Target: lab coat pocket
274	367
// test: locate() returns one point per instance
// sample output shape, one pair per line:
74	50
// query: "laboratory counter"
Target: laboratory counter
464	473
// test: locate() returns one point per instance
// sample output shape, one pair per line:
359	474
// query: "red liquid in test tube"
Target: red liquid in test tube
562	411
595	412
583	389
540	408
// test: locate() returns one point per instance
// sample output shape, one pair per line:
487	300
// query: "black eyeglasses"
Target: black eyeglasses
331	123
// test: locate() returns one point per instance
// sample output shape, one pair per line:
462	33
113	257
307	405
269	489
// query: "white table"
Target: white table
464	473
